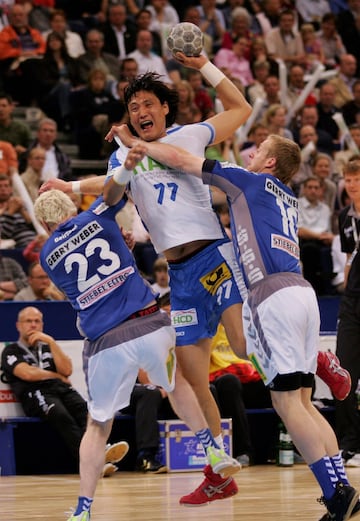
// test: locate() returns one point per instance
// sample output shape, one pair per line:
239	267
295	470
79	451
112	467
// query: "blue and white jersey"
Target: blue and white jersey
88	259
174	207
263	217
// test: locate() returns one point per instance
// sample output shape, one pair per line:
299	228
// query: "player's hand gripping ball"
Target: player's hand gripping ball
187	38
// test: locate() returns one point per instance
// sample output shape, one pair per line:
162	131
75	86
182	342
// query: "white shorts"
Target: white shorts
111	373
282	332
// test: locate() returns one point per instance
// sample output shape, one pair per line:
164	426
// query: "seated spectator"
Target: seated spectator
236	385
344	80
330	41
58	74
312	46
261	70
147	60
234	62
119	32
8	158
32	175
38	372
240	27
161	277
12	277
129	69
73	41
15	223
275	121
272	95
259	52
188	111
309	116
142	21
315	235
57	163
257	134
296	84
20	45
39	286
322	169
92	108
284	43
95	57
16	132
326	109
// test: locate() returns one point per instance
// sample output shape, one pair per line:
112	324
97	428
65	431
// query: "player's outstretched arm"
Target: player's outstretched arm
91	185
175	157
115	187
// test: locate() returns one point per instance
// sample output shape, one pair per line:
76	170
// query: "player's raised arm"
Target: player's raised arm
237	109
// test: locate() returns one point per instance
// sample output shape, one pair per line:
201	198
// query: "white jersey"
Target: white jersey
174	207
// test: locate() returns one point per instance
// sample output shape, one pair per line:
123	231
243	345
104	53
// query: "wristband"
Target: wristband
75	187
122	175
212	74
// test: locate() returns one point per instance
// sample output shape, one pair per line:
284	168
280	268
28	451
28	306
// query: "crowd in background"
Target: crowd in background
69	63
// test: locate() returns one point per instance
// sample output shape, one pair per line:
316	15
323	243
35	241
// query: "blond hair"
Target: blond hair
54	207
287	155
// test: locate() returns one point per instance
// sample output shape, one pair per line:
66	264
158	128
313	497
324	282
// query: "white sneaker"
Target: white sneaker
354	461
108	470
221	463
116	452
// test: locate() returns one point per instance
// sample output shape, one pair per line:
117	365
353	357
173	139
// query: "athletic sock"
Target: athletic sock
219	441
337	463
206	438
84	505
325	474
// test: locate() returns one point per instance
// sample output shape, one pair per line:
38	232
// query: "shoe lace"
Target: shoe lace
210	490
335	367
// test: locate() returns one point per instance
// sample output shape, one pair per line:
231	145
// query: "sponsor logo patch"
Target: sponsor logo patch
213	280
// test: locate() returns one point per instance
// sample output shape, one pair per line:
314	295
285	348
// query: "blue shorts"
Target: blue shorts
202	287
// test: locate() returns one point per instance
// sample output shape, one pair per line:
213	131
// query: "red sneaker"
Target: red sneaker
212	488
335	376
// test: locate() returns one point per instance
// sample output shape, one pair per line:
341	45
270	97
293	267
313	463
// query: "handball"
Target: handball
187	38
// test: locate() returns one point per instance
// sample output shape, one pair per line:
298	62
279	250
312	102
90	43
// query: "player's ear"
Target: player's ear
270	162
166	108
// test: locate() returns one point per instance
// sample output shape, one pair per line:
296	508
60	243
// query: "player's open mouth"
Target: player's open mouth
146	124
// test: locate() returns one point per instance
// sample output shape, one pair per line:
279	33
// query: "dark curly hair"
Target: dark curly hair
151	82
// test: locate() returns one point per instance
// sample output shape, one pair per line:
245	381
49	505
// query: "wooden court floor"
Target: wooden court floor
265	492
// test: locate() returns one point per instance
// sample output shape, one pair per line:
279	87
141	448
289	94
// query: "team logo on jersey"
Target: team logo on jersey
183	318
280	242
212	280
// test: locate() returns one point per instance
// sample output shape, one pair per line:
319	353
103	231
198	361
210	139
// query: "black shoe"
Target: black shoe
341	506
150	464
355	513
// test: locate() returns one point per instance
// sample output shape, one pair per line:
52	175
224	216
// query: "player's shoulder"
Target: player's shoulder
193	131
